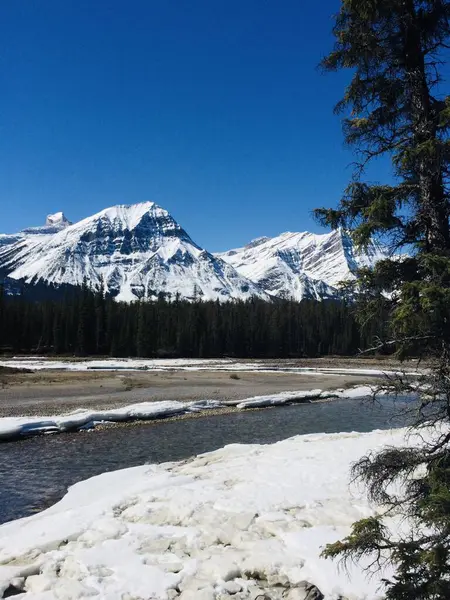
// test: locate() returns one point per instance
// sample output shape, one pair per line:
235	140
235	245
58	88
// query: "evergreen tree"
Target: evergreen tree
100	320
142	335
86	329
395	51
58	334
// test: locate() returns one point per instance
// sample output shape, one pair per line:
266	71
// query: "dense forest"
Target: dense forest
86	322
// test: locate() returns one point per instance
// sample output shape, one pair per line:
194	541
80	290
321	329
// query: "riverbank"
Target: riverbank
37	471
234	523
51	388
16	428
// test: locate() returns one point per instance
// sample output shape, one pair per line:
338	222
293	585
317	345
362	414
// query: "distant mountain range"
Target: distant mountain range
302	265
139	251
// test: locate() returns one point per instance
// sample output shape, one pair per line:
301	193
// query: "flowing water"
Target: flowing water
36	472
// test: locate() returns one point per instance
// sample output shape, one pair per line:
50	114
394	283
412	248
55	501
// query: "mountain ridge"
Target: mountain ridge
140	251
135	251
302	264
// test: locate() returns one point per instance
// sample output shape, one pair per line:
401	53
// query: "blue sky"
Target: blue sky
214	109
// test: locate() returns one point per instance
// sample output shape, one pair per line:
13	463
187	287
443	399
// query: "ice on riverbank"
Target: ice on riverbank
241	519
12	428
182	364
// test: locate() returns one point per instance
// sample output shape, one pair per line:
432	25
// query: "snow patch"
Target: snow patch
37	363
243	517
13	428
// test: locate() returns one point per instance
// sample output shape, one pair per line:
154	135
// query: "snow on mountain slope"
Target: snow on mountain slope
53	224
7	239
139	251
136	250
301	265
27	239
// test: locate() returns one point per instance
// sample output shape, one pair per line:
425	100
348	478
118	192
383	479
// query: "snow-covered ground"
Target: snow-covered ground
233	523
114	364
180	364
15	427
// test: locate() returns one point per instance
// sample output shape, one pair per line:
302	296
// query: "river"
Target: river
36	472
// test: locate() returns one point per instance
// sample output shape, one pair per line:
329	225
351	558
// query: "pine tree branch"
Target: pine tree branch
383	344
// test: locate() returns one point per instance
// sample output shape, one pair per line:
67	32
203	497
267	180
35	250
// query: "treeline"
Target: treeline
84	322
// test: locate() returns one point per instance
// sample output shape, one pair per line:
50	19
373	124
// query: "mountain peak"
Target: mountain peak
132	214
53	224
57	219
257	241
135	250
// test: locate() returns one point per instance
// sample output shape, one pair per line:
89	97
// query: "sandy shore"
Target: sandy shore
50	392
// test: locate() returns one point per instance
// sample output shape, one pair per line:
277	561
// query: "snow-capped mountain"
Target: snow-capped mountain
135	250
139	251
53	224
302	265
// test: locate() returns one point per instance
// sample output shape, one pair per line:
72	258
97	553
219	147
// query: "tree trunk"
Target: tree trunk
434	207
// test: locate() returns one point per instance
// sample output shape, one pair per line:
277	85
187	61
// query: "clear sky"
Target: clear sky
214	109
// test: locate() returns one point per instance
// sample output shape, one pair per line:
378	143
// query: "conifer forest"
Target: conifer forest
84	322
